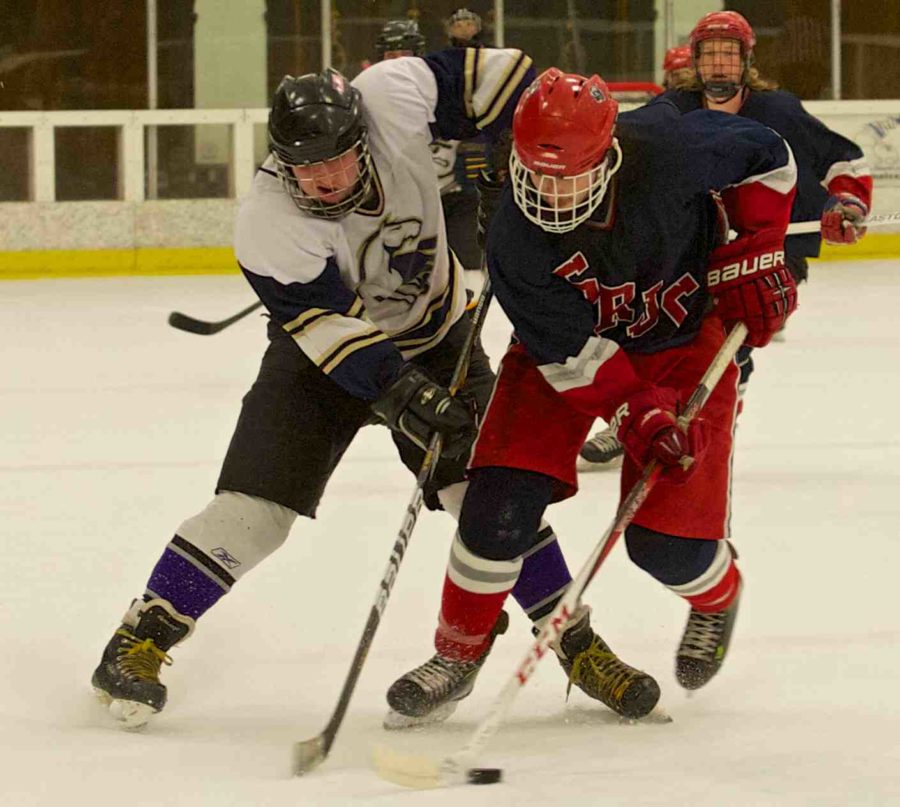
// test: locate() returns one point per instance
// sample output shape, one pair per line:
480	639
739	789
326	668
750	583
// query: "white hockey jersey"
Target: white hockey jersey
362	294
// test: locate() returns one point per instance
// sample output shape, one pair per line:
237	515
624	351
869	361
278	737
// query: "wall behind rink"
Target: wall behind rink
193	236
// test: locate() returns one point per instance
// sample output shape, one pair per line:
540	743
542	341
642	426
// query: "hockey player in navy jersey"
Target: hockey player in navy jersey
608	254
342	238
834	183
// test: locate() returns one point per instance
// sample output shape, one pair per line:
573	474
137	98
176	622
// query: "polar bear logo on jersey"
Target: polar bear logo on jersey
396	262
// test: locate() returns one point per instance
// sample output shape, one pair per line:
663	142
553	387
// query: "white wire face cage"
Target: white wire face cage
332	210
557	212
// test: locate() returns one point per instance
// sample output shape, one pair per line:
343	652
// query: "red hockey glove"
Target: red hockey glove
646	426
751	284
843	218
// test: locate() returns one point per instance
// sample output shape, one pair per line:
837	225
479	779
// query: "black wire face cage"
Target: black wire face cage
333	210
722	90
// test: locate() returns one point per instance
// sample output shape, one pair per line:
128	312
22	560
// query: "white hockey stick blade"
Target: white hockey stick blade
877	220
418	772
308	754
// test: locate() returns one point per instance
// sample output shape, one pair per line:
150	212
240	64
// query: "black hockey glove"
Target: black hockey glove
489	190
490	183
416	406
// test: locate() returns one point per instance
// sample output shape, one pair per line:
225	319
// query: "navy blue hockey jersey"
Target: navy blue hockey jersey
826	161
633	276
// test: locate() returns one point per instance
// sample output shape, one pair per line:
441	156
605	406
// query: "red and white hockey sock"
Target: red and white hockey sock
474	591
715	589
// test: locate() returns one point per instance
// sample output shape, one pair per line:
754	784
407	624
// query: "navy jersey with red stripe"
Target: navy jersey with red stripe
827	162
632	278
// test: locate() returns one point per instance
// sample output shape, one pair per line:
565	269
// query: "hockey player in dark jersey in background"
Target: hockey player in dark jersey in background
459	162
833	179
609	255
342	237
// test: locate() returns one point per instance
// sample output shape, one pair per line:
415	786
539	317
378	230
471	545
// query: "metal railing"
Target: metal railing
132	154
134	161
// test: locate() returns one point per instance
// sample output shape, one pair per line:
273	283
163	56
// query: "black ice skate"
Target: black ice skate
704	645
431	692
127	680
603	450
597	671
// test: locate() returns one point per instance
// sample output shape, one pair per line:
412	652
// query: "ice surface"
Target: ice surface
112	428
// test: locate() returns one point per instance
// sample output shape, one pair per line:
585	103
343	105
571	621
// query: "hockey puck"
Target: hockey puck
484	776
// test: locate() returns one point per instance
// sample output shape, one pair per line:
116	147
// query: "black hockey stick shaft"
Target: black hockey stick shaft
186	323
312	752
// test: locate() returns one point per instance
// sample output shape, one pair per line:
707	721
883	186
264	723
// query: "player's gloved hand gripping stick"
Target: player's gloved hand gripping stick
423	772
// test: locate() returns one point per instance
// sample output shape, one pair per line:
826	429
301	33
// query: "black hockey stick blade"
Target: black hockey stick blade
183	322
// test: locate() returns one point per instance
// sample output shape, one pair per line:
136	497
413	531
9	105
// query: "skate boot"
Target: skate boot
127	680
597	671
603	450
431	692
704	645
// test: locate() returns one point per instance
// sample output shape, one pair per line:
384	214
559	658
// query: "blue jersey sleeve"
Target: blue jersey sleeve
328	323
478	89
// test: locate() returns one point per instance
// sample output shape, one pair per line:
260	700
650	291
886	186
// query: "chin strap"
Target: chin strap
720	92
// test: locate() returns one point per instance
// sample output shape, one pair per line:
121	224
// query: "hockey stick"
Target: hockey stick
199	326
307	754
424	772
879	220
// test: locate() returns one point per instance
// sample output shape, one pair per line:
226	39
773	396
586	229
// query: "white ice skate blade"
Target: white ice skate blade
658	716
583	465
130	715
394	721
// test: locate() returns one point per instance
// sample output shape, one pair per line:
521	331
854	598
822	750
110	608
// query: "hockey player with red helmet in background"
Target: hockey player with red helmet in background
833	178
678	67
607	253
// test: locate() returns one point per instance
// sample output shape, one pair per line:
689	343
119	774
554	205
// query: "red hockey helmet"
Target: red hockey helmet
564	152
724	25
678	58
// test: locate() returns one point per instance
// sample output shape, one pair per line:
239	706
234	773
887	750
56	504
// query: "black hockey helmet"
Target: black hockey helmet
314	118
400	35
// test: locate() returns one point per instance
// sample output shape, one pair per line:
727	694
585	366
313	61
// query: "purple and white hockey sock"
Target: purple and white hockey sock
188	578
544	576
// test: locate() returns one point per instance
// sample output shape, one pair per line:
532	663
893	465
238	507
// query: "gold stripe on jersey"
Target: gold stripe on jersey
470	76
506	85
358	342
357	310
299	323
305	321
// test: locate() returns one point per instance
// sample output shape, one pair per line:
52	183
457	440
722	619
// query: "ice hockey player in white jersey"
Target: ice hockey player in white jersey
343	239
